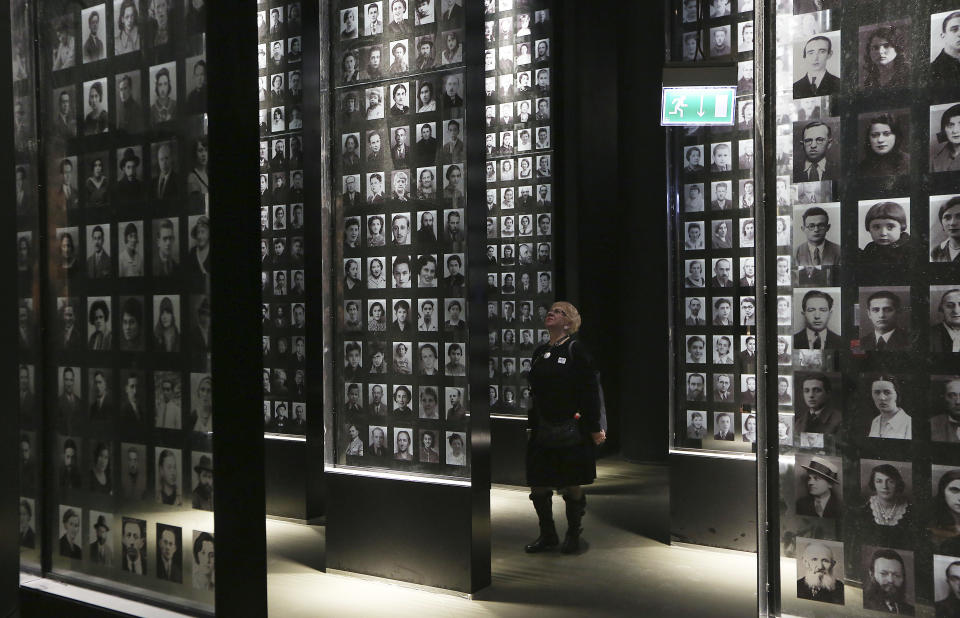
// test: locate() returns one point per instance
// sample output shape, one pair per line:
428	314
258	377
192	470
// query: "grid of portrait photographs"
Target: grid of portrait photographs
28	280
126	365
716	316
868	304
282	248
520	192
400	177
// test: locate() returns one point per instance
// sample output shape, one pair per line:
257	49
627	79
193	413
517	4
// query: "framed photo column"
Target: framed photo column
146	277
410	441
521	190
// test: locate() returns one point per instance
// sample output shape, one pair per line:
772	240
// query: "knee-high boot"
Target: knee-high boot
575	511
543	503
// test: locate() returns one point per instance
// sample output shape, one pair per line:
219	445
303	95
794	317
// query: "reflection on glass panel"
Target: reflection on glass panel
127	365
713	249
30	369
282	219
520	194
401	343
867	366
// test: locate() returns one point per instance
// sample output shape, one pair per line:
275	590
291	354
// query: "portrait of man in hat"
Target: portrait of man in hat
203	490
101	549
822	484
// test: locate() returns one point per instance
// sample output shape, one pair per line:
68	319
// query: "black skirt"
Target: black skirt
561	467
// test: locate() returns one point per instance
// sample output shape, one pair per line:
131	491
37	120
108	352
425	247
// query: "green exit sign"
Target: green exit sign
698	105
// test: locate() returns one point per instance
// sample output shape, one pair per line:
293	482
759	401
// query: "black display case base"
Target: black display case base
508	448
713	501
418	532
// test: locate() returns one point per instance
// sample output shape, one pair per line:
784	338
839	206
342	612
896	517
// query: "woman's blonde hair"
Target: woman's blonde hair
572	314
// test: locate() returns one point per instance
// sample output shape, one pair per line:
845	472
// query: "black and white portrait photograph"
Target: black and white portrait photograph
721	157
456	450
129	250
745	162
944	228
403	441
817	313
887	494
722	269
945	137
168	477
885	319
944	47
696	386
816	238
820	570
785	429
696	349
745	36
169	552
693	237
944	318
885	143
694	274
93	27
27	532
690	49
64	43
745	77
133	540
133	466
373	19
889	585
884	59
204	576
747	231
723	428
945	482
946	583
722	194
693	159
816	62
167	400
722	349
695	313
884	235
819	483
784	276
70	536
697	425
886	399
693	197
101	408
720	41
349	22
163	93
100	327
816	150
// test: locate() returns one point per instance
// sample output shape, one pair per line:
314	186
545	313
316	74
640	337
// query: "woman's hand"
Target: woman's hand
599	437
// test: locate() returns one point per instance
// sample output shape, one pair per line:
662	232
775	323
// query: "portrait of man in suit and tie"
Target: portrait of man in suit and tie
817	317
817	258
812	68
823	481
815	159
885	319
695	315
134	540
816	411
723	422
169	553
723	389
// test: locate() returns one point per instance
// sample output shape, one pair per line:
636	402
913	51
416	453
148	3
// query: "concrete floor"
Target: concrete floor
627	569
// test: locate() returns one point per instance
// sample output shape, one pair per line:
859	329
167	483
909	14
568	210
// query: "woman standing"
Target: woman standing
565	428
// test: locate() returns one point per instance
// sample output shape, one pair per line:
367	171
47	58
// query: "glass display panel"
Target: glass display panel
400	175
29	355
868	293
713	246
282	218
521	182
127	362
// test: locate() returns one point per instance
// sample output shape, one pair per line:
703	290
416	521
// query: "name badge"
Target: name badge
561	361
